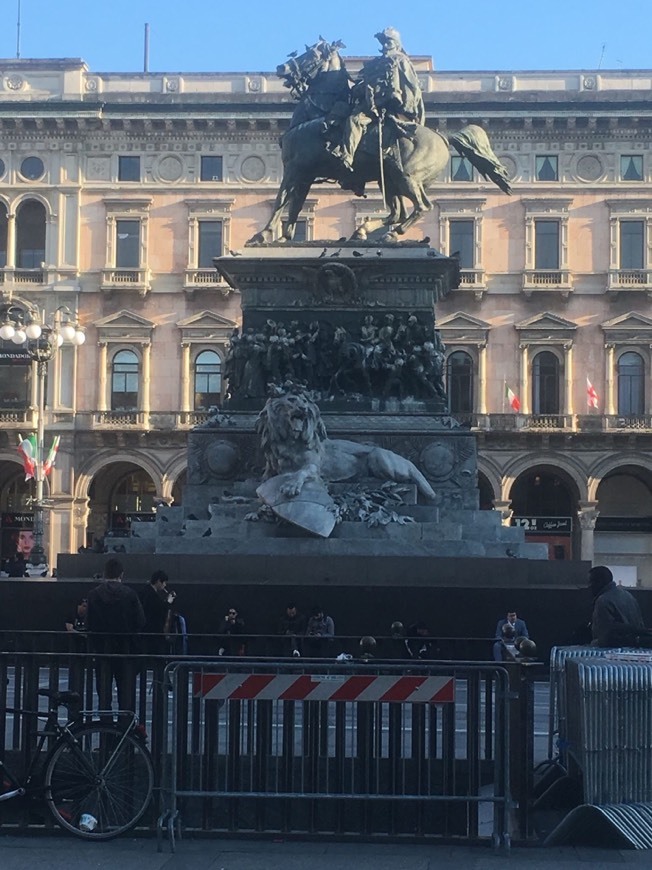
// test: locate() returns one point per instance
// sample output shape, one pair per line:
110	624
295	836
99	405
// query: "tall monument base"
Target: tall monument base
351	327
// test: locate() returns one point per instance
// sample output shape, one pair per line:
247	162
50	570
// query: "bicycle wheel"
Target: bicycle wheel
98	785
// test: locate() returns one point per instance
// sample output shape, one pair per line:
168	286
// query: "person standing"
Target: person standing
115	617
507	630
157	603
617	617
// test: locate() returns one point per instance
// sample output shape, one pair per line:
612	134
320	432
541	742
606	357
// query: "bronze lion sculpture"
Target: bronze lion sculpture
295	443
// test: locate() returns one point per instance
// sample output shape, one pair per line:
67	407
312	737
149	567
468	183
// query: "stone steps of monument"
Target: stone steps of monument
275	546
522	550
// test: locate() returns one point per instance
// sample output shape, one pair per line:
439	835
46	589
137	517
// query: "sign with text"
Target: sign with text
544	525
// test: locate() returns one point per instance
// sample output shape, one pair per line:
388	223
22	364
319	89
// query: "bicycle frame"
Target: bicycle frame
53	728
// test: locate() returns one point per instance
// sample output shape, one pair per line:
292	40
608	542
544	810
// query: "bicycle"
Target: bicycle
97	778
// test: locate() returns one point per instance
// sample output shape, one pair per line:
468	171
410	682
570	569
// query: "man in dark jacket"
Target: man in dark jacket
115	617
616	613
293	625
157	602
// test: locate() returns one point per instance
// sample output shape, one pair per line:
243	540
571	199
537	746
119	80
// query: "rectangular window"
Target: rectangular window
300	230
210	243
546	244
631	167
14	377
547	168
211	168
128	168
632	234
462	239
461	169
127	244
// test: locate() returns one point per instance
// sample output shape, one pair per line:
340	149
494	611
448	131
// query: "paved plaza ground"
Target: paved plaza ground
67	853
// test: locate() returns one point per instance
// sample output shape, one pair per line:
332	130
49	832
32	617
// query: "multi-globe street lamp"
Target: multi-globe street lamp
41	335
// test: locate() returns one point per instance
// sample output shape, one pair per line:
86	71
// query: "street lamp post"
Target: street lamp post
41	336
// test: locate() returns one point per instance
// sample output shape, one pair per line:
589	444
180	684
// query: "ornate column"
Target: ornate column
568	378
482	378
81	513
587	516
185	378
147	365
11	241
102	398
506	513
525	379
609	375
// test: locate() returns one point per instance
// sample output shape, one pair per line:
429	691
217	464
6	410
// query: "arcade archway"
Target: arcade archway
544	501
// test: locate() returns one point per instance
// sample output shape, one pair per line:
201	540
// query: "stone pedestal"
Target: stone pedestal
355	324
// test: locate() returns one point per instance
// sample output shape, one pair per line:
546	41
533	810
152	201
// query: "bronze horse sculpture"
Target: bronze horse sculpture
319	80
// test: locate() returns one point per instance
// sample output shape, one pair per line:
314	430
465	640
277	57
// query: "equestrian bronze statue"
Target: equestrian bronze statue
369	129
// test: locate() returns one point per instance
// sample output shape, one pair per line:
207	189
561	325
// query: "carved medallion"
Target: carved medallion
438	461
253	168
336	283
222	458
589	167
510	166
169	168
14	82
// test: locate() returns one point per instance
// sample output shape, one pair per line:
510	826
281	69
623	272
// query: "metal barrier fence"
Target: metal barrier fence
460	745
609	726
258	645
558	709
344	748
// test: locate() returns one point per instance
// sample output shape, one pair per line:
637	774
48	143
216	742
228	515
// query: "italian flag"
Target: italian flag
513	399
52	455
28	453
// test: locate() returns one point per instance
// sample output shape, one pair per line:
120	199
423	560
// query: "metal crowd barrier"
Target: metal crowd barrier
558	709
258	645
609	726
319	747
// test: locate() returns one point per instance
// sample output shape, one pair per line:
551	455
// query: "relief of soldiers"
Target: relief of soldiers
400	358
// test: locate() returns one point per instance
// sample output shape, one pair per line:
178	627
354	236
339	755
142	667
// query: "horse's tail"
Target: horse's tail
473	143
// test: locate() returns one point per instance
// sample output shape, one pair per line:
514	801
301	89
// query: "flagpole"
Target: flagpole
37	556
504	393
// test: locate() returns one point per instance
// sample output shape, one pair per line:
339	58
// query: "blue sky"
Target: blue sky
198	35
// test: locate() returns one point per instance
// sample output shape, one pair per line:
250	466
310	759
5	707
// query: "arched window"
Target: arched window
208	380
459	382
125	371
30	235
545	383
631	384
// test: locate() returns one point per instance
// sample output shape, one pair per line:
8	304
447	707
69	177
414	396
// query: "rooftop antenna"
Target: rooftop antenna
604	45
146	51
18	32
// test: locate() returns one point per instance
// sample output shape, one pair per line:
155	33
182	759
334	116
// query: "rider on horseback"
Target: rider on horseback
387	87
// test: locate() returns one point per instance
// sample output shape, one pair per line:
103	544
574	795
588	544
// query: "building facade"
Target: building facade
117	190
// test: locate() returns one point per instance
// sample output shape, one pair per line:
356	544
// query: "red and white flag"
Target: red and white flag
591	395
513	399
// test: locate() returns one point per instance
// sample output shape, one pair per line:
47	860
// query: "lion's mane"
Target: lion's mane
292	433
